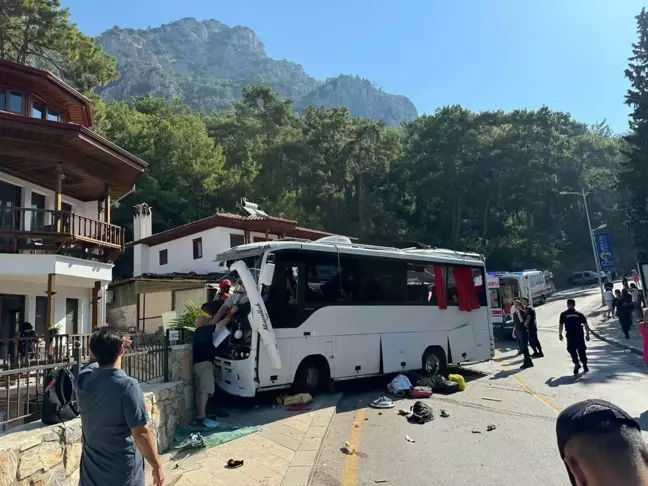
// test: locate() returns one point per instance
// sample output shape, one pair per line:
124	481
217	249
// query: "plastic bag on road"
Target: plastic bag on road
399	386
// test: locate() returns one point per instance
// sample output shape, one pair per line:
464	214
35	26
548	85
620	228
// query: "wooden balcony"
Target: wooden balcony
29	230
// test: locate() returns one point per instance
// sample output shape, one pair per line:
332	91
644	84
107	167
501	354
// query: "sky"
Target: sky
482	54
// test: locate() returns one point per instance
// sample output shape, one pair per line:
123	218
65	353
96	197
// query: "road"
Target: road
527	402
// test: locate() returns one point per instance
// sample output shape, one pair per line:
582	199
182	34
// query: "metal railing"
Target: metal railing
26	362
15	220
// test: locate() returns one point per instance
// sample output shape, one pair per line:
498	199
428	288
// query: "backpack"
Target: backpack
59	398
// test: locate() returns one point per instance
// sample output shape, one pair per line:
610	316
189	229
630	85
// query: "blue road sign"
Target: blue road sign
604	249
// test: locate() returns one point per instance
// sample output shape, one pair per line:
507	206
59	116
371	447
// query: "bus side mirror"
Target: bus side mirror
267	274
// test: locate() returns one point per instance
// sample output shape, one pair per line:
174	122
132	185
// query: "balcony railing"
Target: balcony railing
29	227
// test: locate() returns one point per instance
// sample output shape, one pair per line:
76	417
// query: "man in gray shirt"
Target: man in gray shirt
113	419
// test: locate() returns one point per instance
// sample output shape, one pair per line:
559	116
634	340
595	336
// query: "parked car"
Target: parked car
584	278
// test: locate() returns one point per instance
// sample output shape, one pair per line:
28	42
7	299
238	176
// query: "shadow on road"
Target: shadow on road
563	380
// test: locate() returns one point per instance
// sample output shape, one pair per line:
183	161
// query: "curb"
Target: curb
597	312
615	343
296	474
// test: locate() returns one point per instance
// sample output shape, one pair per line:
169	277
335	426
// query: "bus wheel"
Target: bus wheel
434	361
311	375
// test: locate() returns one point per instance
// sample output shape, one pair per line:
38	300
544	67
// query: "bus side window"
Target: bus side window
479	278
383	282
451	287
420	284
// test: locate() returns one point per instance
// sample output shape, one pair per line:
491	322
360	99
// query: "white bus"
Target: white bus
331	310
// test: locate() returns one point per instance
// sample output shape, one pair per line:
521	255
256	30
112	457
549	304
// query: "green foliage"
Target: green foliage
39	33
635	168
186	321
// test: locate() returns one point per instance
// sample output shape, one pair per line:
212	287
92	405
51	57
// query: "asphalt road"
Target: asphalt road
448	451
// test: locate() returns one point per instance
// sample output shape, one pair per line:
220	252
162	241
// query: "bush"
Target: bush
186	322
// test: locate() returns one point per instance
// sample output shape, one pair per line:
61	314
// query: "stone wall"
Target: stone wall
38	455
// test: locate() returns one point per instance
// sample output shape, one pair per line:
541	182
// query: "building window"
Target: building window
53	115
164	257
38	110
197	248
236	240
15	104
41	315
38	213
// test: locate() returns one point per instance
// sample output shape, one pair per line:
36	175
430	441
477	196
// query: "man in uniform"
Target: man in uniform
573	322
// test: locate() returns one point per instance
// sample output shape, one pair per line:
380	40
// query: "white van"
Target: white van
529	283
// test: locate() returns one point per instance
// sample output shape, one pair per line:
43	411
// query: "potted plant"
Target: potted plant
185	322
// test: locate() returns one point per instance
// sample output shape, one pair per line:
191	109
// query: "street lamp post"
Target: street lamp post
584	194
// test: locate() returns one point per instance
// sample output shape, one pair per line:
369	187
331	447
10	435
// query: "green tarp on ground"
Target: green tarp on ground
216	436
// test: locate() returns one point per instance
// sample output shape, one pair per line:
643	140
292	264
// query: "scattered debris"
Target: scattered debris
379	413
420	413
399	386
235	463
367	418
194	441
176	466
409	439
299	399
444	414
381	481
459	380
382	402
420	392
491	399
356	426
491	427
476	431
302	407
403	411
348	449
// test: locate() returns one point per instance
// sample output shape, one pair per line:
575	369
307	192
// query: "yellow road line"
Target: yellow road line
524	385
351	461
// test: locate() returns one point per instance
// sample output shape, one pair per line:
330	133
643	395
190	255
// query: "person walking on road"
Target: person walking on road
637	300
577	330
114	419
532	328
608	297
601	445
522	334
625	307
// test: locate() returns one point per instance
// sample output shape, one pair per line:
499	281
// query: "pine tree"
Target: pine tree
635	168
40	33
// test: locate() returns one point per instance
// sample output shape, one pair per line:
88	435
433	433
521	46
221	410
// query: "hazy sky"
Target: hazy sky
482	54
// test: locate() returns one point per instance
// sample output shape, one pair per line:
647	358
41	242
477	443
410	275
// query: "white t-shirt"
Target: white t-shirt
608	296
513	311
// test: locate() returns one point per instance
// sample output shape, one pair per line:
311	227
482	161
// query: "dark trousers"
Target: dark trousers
534	342
577	349
625	319
522	334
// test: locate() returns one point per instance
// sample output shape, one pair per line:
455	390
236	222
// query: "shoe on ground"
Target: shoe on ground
535	355
540	354
526	365
576	369
585	368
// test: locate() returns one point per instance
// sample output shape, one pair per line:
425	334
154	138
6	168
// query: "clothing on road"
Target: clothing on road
111	403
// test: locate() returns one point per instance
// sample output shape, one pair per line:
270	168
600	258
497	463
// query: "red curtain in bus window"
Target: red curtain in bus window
440	287
466	291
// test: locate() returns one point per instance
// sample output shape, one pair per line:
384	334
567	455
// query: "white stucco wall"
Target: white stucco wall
33	289
180	252
87	209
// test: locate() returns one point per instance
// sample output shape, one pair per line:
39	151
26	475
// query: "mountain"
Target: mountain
207	64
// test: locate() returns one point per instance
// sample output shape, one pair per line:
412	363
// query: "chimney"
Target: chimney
142	228
142	221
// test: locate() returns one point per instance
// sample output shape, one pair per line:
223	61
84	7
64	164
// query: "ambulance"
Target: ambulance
497	305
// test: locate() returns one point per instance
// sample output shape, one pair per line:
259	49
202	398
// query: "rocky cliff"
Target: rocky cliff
207	64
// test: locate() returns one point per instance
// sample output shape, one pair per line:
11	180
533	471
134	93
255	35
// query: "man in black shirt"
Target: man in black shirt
204	353
573	322
522	333
532	327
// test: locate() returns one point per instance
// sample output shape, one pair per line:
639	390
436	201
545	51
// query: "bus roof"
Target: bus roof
345	246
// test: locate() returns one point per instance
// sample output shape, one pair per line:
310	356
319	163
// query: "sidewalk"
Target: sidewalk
282	453
609	330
